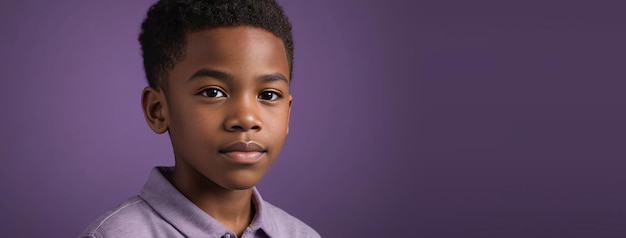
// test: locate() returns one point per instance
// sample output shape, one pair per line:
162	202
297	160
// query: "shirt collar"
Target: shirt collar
262	220
189	219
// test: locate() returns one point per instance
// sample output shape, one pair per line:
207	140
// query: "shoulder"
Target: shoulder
288	225
132	218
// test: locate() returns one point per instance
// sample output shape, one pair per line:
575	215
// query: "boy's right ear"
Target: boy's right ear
155	109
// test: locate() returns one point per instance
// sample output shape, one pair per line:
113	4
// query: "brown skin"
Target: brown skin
232	86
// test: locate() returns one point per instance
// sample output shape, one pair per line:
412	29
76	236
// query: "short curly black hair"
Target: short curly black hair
163	32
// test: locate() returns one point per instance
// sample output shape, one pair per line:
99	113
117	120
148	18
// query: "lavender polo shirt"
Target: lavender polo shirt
160	210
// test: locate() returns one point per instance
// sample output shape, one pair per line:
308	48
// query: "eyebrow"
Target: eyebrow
211	73
226	76
274	77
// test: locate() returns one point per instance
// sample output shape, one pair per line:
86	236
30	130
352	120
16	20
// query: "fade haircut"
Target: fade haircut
164	31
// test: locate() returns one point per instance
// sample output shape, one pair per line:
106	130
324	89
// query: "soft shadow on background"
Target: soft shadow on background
410	118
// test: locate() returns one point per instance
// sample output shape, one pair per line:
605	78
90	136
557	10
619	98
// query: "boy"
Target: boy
219	75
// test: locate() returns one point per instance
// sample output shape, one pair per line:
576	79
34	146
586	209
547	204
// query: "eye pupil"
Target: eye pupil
213	92
267	95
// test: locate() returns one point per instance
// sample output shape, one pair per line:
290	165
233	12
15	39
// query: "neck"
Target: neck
231	208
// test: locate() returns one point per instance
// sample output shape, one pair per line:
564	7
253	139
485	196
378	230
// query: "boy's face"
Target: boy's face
228	105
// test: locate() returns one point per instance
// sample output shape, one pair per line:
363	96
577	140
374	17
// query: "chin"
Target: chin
238	185
239	181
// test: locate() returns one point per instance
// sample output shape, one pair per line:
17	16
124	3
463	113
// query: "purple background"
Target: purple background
415	119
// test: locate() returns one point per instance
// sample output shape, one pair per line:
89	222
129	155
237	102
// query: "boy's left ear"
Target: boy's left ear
289	113
155	109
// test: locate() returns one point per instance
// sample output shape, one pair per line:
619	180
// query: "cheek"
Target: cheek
193	126
280	121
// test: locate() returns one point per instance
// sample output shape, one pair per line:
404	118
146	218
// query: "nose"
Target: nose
243	115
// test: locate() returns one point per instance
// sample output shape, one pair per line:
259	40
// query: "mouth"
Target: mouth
243	152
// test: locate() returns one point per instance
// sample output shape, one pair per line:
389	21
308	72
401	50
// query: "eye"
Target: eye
269	95
212	93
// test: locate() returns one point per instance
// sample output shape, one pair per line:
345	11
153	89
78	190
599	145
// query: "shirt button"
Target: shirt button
226	235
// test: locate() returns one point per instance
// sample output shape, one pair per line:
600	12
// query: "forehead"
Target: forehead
242	51
234	35
240	44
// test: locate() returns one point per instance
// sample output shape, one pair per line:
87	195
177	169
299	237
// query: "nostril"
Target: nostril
243	124
237	128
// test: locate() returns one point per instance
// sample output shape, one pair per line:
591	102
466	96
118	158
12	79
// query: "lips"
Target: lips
243	152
